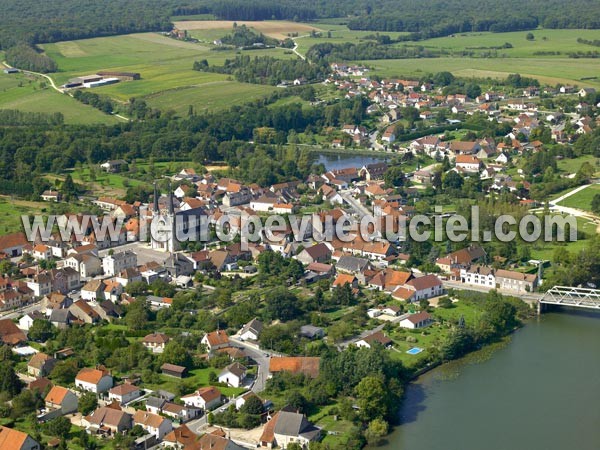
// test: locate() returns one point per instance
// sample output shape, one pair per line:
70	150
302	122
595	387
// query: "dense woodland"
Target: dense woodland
37	22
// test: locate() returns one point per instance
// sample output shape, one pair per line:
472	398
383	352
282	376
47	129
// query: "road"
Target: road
361	210
529	297
572	211
47	77
262	359
295	49
22	311
54	86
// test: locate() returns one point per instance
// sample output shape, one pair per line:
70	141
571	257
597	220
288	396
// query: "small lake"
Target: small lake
540	391
332	161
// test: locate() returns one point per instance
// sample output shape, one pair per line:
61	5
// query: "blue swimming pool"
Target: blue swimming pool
414	351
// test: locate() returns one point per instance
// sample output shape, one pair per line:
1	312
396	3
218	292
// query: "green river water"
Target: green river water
539	391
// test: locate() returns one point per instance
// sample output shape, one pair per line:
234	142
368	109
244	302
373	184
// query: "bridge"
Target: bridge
572	297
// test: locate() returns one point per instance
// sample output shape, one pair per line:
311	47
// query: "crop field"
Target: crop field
545	40
165	65
273	28
547	70
208	96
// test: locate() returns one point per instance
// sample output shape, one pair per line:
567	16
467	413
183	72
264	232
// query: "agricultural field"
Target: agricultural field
548	70
274	28
545	40
32	94
207	97
165	64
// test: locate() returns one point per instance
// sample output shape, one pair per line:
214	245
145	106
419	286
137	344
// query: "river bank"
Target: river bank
539	389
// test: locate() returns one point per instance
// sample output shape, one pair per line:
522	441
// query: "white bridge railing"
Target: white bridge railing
572	296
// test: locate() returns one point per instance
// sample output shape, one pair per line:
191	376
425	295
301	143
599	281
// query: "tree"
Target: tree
424	304
9	382
88	402
59	427
64	372
175	353
445	302
41	330
281	304
529	36
252	405
376	430
297	401
394	177
137	314
596	204
371	397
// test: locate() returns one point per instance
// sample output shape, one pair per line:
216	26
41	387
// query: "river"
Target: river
540	391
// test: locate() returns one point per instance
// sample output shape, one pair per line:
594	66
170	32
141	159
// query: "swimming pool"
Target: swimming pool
414	351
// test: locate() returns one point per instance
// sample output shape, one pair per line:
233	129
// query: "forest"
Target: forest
35	22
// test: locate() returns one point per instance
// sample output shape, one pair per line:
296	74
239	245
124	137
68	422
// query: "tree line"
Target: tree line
266	69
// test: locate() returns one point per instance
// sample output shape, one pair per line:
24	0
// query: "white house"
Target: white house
153	423
251	331
425	287
117	262
478	276
233	375
94	380
415	321
124	393
87	265
206	398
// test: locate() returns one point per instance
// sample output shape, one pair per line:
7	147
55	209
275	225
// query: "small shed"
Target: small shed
173	370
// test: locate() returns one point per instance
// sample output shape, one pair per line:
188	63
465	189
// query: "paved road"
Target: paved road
22	311
530	297
262	359
572	211
355	204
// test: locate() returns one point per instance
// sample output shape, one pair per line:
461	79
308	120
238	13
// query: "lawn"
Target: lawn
196	378
582	199
29	93
109	184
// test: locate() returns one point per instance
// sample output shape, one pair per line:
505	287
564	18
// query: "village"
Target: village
95	284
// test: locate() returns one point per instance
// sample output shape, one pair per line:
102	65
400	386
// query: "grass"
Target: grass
30	94
11	211
572	165
165	64
548	70
582	199
206	97
562	41
196	378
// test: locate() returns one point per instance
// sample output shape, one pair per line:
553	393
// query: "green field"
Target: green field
209	96
548	70
582	199
562	41
165	65
11	211
572	165
31	94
